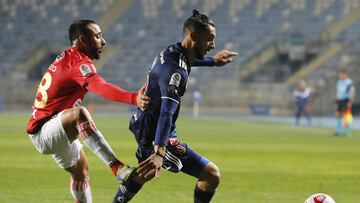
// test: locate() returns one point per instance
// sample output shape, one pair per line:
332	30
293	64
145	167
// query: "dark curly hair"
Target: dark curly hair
197	22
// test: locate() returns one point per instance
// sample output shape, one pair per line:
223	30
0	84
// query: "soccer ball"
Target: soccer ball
320	198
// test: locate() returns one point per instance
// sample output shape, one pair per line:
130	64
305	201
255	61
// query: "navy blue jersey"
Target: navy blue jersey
166	85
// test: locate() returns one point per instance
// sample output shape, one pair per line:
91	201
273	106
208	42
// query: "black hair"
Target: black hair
197	22
343	70
79	27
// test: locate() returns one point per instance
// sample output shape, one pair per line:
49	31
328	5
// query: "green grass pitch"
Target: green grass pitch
259	162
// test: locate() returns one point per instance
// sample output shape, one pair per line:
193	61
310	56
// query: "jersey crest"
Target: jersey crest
175	79
85	70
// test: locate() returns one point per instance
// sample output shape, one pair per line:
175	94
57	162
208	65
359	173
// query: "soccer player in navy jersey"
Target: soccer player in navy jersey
154	128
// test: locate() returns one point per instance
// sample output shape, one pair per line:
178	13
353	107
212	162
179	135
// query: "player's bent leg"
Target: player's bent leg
78	121
182	157
130	188
79	180
80	170
209	177
209	180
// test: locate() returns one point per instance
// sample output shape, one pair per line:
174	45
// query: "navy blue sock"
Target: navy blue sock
127	191
201	196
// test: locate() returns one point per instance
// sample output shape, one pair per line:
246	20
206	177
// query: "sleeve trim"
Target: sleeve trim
171	99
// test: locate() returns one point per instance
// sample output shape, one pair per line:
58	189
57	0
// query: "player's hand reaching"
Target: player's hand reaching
224	57
151	166
142	100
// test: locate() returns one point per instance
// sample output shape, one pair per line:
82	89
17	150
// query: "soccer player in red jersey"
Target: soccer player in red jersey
58	117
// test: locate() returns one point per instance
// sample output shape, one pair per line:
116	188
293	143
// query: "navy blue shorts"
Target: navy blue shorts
341	105
179	157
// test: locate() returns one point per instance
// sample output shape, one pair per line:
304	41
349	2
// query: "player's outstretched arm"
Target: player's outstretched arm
114	93
221	58
224	57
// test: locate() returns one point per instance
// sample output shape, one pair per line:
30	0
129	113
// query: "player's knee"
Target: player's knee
82	173
84	114
210	176
85	169
78	114
73	115
80	170
215	176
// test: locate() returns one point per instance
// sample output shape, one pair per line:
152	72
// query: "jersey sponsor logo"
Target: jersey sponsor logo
175	79
85	70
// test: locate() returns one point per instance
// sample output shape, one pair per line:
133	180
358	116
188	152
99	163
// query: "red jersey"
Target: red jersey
65	84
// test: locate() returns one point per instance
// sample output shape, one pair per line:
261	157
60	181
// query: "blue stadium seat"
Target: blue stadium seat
148	26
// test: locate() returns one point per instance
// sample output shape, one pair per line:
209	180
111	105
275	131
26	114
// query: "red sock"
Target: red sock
115	166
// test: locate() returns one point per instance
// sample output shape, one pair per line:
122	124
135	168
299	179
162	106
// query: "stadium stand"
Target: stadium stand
254	28
28	24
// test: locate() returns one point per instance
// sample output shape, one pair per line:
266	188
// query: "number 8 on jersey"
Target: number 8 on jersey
41	95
